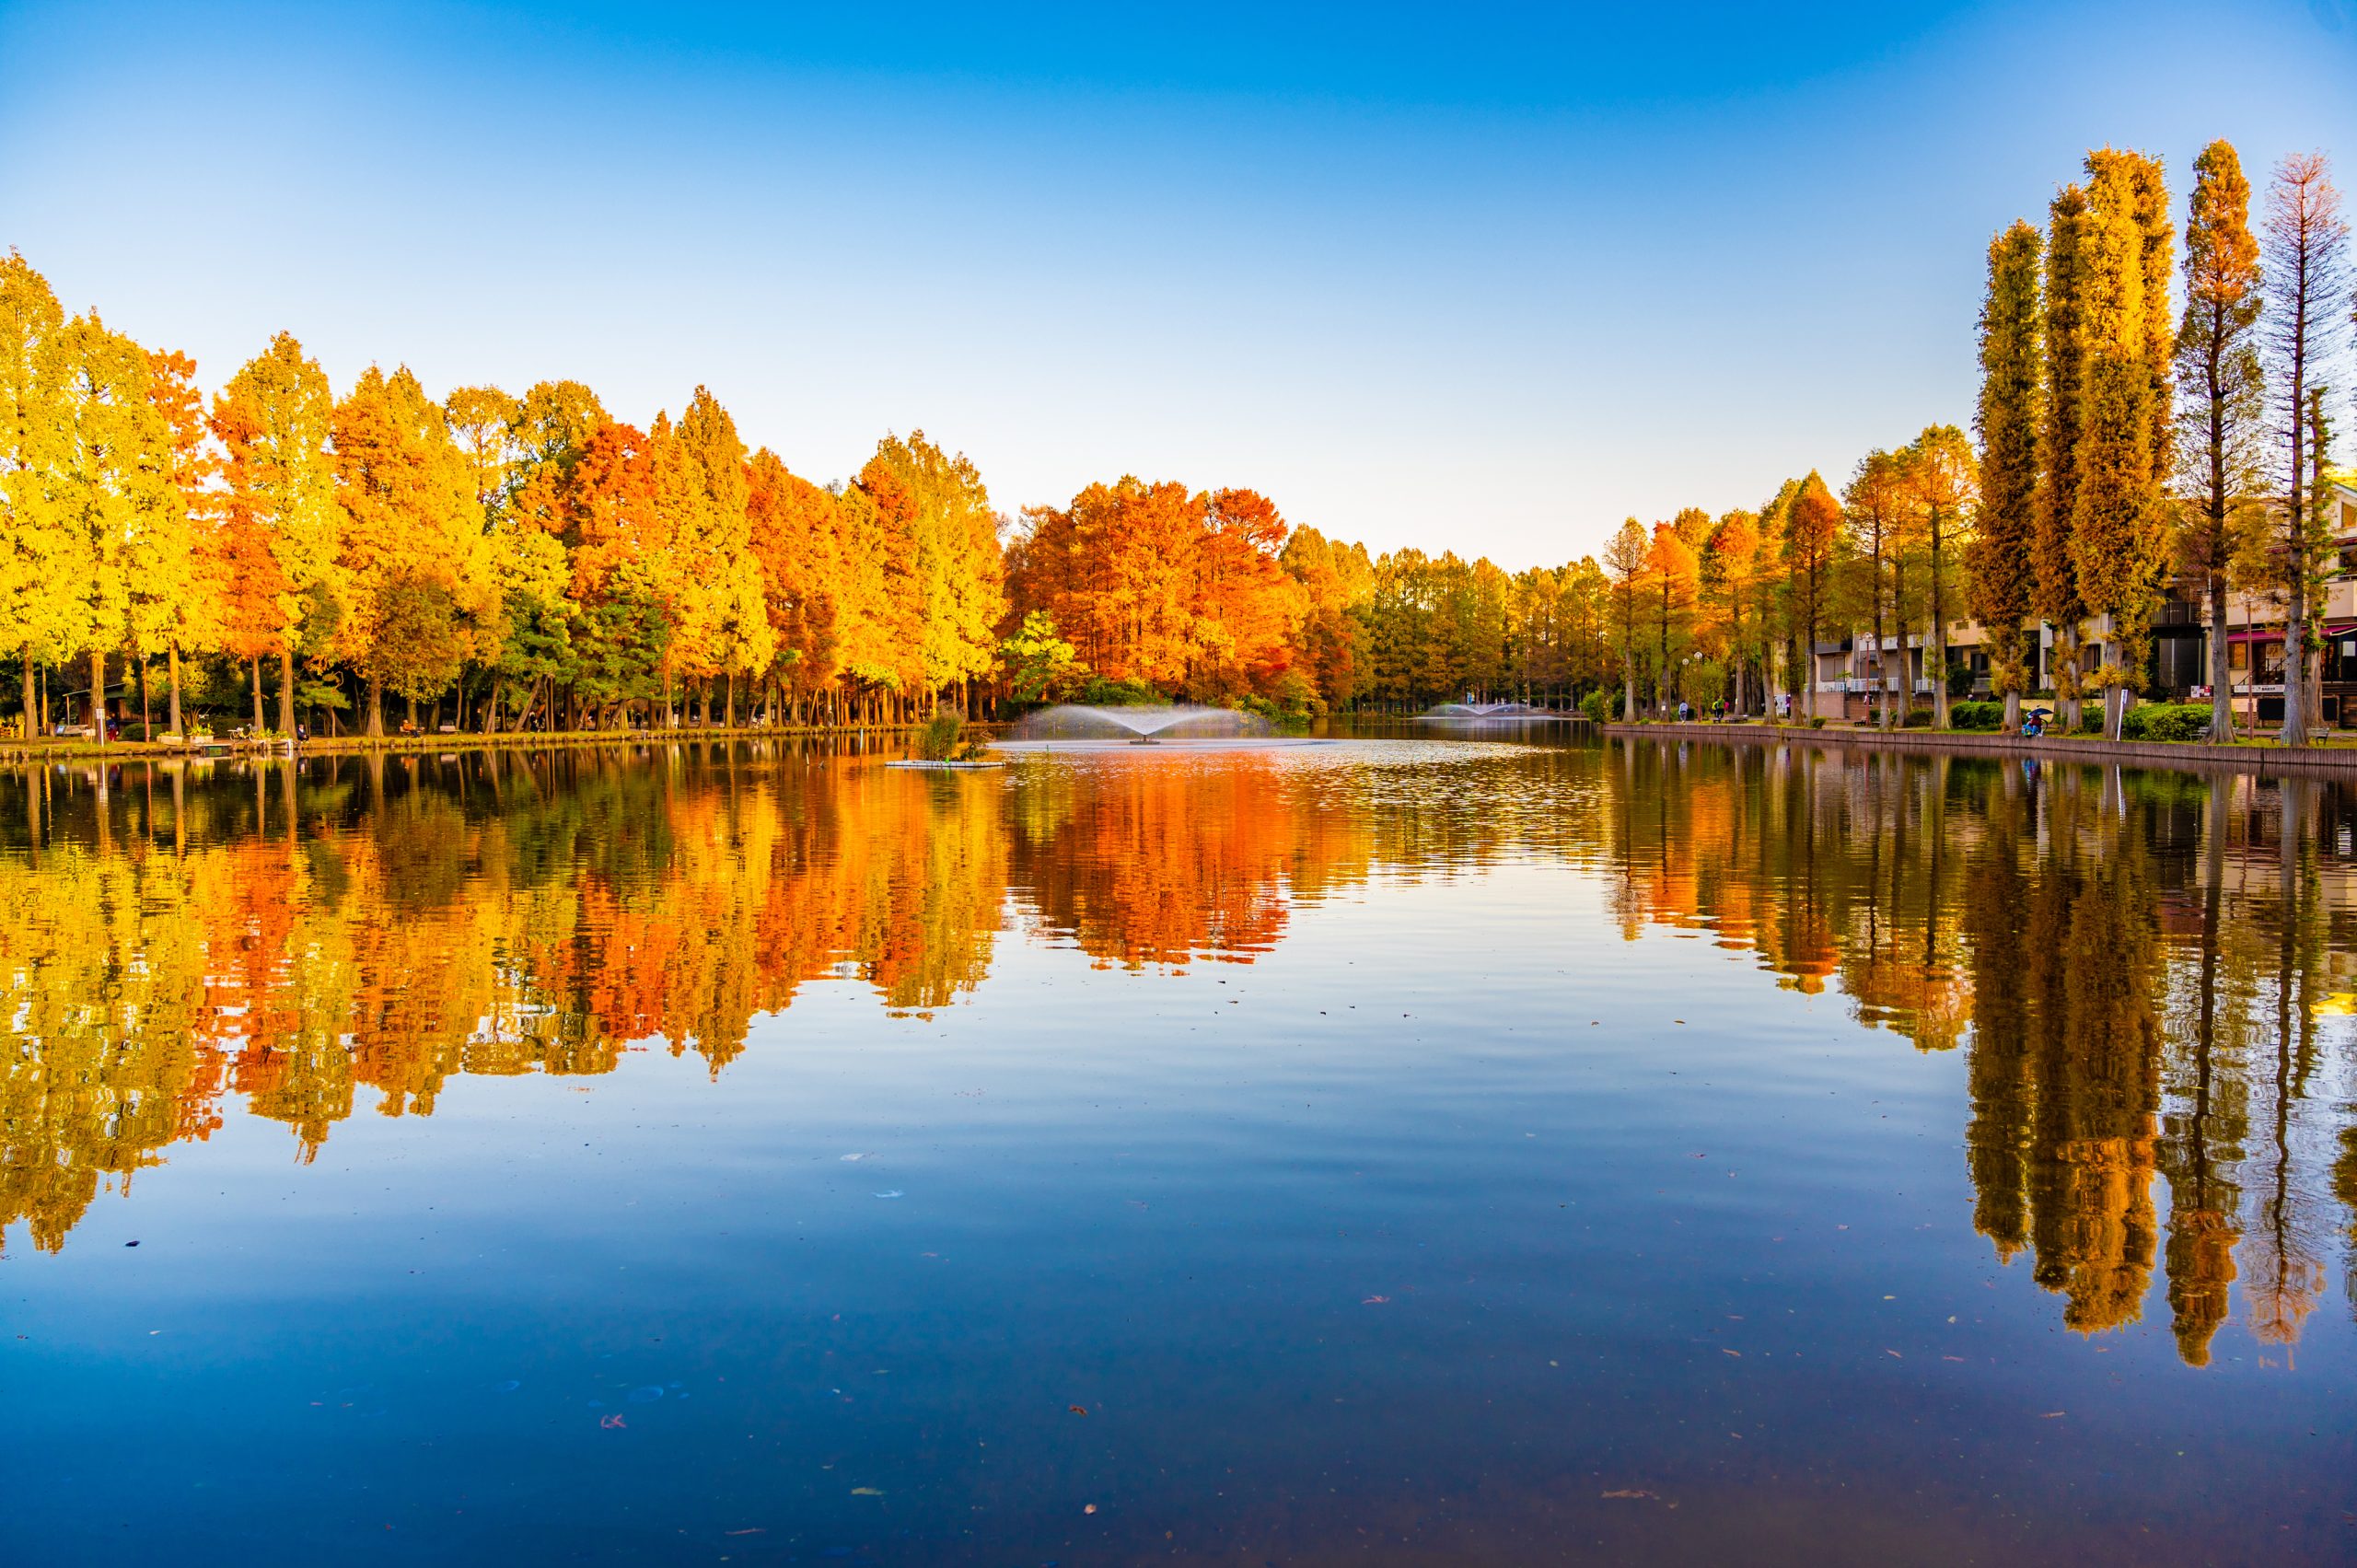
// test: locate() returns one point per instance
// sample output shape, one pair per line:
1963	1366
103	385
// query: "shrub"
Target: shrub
1817	723
1599	706
1918	718
1102	693
938	741
2167	721
1976	715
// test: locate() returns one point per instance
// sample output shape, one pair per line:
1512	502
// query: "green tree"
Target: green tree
1999	564
1041	667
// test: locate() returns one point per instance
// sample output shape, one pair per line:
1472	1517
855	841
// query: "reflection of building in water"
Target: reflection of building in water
2144	971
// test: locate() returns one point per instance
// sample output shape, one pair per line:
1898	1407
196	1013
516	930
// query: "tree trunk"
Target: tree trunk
256	664
99	696
728	714
31	724
491	709
2296	655
172	672
1936	649
376	708
287	692
2221	691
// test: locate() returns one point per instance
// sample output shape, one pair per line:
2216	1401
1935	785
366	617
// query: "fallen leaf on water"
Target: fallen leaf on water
612	1422
1079	1409
1374	1301
756	1530
1736	1354
1629	1492
1893	1353
867	1491
1090	1509
2049	1415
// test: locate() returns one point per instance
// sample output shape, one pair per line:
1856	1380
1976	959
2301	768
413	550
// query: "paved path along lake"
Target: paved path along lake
1397	1150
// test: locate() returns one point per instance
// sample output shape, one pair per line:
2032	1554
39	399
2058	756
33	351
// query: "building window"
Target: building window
2238	655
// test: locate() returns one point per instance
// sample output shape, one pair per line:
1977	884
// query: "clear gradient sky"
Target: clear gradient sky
1470	276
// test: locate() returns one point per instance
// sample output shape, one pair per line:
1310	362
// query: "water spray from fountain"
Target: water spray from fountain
1139	726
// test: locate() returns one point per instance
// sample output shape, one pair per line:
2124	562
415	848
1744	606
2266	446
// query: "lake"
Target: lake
1394	1150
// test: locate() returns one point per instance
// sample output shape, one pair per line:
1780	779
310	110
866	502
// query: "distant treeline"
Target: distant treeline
284	555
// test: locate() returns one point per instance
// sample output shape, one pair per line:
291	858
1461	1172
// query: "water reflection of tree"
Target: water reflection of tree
2144	968
2148	974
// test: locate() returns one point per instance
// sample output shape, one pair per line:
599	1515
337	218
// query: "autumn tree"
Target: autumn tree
1626	558
1335	580
273	421
114	496
413	559
956	574
1812	538
39	572
1731	579
2306	246
178	614
483	422
2119	533
1942	483
2053	561
1999	563
1874	509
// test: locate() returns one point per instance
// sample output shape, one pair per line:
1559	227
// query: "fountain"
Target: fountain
1079	727
1497	712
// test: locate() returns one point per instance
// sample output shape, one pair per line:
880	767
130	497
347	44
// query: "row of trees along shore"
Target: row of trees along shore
504	562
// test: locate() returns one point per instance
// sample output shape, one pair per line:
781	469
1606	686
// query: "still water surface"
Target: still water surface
1386	1152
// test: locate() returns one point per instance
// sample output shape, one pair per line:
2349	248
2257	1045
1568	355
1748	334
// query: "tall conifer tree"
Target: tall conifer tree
2057	598
2219	423
2119	534
2000	567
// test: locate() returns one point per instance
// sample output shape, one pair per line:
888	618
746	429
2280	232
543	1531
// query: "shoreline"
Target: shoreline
49	749
2188	755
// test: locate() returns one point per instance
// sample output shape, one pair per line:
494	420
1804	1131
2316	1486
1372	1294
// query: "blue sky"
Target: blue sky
1479	277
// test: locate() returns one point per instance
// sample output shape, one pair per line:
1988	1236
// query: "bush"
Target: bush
938	741
1817	723
1599	706
1976	715
1102	693
1918	718
2167	721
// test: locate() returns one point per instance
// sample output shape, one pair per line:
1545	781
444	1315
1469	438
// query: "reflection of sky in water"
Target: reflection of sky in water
1533	1180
